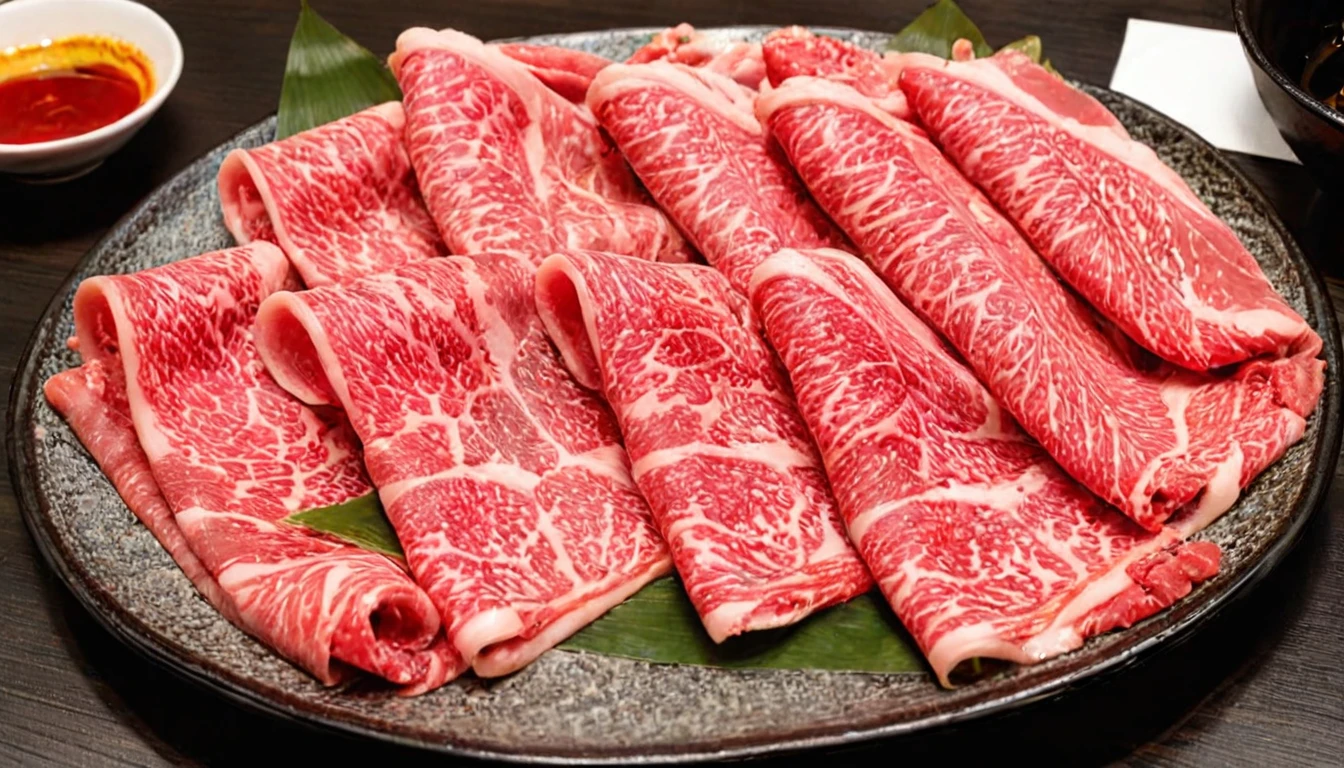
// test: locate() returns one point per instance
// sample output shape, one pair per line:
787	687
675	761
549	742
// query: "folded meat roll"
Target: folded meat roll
233	455
691	137
981	543
717	446
340	200
92	398
1151	439
1112	219
508	165
506	481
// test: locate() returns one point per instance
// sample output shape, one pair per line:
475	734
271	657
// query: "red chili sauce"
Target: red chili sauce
57	105
69	87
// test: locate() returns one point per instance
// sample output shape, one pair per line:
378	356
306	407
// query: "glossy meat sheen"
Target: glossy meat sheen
340	200
1148	439
1115	222
507	165
691	137
564	70
717	445
742	62
505	480
233	454
980	542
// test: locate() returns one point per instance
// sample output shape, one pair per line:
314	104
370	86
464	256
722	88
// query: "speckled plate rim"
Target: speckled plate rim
126	627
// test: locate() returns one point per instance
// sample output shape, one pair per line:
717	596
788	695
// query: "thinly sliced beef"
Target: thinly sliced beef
233	455
718	448
1115	222
507	165
92	398
340	200
566	71
740	61
981	543
794	51
1150	440
505	480
692	138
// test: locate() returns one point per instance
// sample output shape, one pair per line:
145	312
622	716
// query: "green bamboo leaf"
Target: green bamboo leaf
328	76
360	521
936	29
1030	45
660	625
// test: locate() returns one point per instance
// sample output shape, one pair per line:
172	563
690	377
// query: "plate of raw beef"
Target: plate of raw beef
1079	391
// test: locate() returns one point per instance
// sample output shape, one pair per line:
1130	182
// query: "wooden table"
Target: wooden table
1262	685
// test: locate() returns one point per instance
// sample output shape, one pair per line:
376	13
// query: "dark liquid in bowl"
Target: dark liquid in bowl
1323	72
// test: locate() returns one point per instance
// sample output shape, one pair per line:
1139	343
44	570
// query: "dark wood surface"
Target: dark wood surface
1261	685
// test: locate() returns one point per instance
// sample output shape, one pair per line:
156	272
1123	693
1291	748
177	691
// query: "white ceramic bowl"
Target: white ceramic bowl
23	22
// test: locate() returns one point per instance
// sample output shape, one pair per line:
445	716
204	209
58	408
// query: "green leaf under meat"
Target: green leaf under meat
936	29
943	23
328	76
1030	45
660	625
360	521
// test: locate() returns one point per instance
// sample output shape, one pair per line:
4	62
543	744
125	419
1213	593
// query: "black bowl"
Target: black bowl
1277	35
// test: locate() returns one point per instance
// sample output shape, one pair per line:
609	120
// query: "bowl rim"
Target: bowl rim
131	120
1249	42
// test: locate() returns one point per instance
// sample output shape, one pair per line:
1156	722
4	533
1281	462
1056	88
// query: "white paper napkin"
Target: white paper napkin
1200	77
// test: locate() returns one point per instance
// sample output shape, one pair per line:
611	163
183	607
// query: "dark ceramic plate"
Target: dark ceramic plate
576	707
